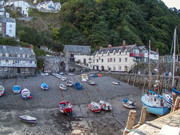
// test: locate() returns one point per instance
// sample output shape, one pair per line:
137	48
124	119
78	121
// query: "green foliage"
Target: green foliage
8	41
102	22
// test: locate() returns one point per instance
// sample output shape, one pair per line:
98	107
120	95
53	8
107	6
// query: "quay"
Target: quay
154	127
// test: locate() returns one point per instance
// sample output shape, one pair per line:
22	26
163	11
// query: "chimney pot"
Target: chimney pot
124	44
109	46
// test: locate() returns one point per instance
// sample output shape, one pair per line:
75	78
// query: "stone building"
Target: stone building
17	61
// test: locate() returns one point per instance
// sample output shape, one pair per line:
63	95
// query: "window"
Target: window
107	59
7	61
102	54
125	52
10	31
114	59
114	68
110	59
97	60
125	59
119	59
10	25
114	53
101	60
119	67
108	53
120	53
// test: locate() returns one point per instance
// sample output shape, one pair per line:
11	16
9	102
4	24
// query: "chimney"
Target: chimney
124	44
109	46
100	47
31	47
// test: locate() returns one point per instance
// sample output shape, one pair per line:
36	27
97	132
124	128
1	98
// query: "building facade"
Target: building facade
17	61
75	51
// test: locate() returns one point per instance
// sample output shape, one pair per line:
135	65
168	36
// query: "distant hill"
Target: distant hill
103	22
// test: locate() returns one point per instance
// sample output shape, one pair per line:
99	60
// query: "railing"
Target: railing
17	65
136	55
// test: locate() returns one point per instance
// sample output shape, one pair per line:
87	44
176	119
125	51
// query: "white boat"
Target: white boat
128	104
95	107
91	82
84	77
16	89
70	74
44	86
69	83
63	78
28	119
1	90
61	73
25	93
62	87
105	105
58	76
116	83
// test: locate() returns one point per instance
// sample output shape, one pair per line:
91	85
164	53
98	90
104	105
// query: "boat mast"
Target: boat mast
149	64
174	55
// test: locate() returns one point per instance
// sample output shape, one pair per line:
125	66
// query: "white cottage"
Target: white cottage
48	6
3	13
19	4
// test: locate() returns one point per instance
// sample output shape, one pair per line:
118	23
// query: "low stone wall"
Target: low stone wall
141	81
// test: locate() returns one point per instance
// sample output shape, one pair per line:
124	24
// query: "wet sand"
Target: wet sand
50	121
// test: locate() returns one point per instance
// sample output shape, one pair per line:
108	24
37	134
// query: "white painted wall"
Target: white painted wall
11	29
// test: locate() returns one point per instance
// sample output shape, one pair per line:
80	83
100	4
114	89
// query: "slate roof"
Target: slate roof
15	50
77	48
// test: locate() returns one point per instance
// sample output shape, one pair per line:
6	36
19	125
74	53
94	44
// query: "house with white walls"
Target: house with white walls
3	13
24	6
48	6
8	27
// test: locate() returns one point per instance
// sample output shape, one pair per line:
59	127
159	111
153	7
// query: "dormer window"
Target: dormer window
102	54
7	54
125	52
108	53
114	53
119	52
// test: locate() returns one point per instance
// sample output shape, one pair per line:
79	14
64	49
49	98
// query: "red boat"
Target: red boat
65	107
95	107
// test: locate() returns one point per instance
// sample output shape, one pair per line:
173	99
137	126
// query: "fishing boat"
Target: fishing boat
25	93
63	78
91	82
78	86
62	87
116	83
65	107
1	90
44	86
28	119
105	105
16	89
95	107
128	104
84	77
167	95
69	83
154	102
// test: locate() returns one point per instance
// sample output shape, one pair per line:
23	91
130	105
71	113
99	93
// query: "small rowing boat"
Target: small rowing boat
28	119
16	89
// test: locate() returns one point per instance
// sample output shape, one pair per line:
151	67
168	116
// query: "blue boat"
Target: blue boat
16	89
78	86
44	86
155	104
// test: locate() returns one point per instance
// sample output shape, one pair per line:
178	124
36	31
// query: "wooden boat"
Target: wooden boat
128	104
44	86
78	86
62	87
116	83
1	90
95	107
91	82
25	93
16	89
69	83
105	105
28	119
65	107
63	78
84	77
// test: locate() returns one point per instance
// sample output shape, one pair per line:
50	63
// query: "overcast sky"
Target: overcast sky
172	3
